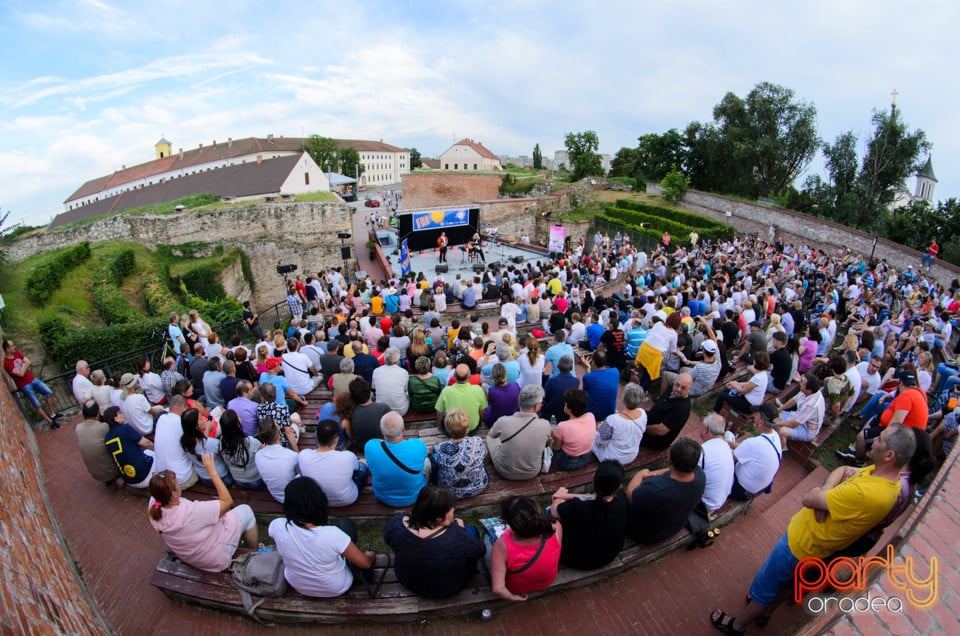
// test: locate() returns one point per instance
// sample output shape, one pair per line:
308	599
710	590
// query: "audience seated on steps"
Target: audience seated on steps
516	442
399	466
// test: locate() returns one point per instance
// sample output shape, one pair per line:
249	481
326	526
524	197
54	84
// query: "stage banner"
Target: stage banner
404	258
557	234
438	219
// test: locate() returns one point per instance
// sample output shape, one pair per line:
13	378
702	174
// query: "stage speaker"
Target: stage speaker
479	267
517	259
345	253
442	268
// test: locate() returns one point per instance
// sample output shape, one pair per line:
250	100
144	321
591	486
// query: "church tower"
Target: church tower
926	181
164	148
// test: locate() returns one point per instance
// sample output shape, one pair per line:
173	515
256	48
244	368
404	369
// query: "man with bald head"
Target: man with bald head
668	415
399	466
462	395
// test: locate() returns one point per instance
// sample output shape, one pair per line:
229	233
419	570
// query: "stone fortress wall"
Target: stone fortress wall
301	233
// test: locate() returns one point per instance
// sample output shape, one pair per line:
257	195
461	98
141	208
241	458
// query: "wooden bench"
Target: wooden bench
485	503
394	602
740	422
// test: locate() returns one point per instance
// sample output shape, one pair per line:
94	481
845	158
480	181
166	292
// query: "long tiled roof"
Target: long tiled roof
243	180
211	153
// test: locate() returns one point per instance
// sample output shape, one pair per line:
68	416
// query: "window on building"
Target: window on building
446	166
474	166
306	178
456	166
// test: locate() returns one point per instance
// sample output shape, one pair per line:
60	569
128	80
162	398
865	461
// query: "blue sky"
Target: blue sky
90	85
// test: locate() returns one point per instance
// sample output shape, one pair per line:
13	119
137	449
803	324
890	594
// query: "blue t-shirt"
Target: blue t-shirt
469	298
278	381
601	387
393	485
391	304
176	336
123	443
635	338
594	331
556	352
512	367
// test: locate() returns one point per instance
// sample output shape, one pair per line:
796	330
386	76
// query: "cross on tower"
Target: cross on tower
894	94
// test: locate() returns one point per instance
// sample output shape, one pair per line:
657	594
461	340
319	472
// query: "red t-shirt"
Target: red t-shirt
913	400
540	574
934	249
14	363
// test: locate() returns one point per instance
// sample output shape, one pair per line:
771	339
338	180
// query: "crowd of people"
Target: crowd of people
678	320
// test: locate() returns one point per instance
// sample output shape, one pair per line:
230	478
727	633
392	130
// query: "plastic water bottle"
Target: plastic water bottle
553	421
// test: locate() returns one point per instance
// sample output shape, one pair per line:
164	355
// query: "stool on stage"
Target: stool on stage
474	256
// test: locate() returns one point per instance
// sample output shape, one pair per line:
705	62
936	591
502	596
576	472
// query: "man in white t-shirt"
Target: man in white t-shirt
168	454
82	386
869	376
277	465
757	461
298	370
716	461
853	374
339	473
136	409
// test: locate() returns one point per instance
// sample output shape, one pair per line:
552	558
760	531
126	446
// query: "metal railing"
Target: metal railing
640	241
62	383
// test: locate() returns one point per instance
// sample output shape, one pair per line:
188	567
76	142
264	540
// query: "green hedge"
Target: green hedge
122	265
46	277
69	345
156	291
630	181
654	235
204	281
677	228
686	218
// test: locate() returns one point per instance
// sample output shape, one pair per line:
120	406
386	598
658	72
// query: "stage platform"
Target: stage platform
457	260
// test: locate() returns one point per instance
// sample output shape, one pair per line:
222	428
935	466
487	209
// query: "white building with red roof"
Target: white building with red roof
468	154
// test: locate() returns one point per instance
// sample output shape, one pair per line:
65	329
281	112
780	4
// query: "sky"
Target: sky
91	85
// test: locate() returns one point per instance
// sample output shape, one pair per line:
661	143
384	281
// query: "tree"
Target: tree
582	150
624	163
893	153
755	146
674	185
415	160
349	160
324	151
657	154
537	158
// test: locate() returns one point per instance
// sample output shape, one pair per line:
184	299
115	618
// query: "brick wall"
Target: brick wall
434	189
41	589
795	227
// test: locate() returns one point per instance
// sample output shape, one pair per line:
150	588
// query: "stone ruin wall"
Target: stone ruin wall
302	233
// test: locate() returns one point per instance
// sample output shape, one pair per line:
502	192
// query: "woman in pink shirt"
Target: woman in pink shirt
204	534
572	440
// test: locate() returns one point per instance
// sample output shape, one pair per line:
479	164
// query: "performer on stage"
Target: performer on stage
473	247
442	244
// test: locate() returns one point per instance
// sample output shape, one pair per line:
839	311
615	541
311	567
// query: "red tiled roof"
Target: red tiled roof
242	180
478	147
209	153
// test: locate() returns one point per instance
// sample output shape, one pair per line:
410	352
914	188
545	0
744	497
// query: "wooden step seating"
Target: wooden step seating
741	422
484	503
394	602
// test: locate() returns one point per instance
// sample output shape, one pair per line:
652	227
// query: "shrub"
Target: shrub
122	265
674	185
156	292
204	281
46	277
110	301
69	345
630	181
687	218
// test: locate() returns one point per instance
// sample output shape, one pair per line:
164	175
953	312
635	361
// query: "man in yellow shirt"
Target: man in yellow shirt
848	505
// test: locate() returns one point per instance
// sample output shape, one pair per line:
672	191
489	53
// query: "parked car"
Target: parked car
371	203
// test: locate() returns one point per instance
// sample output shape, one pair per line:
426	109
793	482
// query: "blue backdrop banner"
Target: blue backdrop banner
437	219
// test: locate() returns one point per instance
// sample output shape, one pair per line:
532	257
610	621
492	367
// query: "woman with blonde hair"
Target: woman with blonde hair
200	327
418	347
532	362
263	352
773	328
279	343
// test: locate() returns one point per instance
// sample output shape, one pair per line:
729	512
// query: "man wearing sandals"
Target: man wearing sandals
846	507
